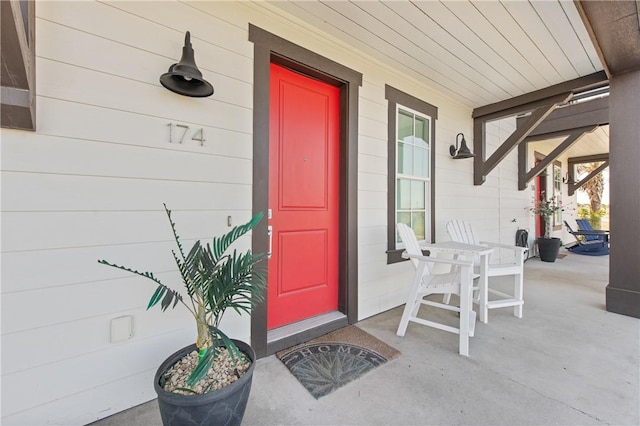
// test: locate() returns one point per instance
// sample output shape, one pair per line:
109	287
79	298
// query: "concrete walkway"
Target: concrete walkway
566	362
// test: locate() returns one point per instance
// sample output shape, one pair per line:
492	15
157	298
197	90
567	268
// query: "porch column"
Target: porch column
623	291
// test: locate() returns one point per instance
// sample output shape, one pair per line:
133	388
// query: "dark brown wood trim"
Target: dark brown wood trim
565	119
18	77
613	27
271	48
589	158
260	198
591	175
592	35
523	165
562	147
531	100
553	155
397	97
573	161
481	167
310	62
480	150
624	301
400	97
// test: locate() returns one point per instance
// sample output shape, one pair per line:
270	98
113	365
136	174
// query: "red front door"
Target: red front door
303	197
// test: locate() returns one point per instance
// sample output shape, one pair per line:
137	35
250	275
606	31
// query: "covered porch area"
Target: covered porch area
567	361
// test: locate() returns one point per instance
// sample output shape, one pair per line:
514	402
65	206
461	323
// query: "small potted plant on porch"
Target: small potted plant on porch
208	382
548	247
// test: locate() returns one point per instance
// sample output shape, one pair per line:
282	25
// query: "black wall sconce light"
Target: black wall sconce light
184	77
568	180
463	151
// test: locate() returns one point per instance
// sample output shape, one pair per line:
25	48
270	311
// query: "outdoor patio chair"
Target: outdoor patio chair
593	247
585	225
457	281
462	232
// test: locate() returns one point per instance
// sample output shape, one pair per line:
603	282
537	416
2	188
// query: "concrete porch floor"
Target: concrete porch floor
566	362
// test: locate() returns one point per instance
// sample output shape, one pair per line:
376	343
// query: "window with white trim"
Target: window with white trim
413	152
557	193
411	162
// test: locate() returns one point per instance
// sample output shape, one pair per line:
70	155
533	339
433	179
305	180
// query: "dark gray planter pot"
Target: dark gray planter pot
221	407
548	248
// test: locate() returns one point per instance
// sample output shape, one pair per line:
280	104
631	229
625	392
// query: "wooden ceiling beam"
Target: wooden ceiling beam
573	187
574	116
614	29
17	77
482	168
532	100
525	177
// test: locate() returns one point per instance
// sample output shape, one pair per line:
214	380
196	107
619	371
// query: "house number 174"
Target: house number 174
178	133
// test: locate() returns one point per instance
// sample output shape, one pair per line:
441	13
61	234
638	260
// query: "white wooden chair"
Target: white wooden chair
461	231
458	281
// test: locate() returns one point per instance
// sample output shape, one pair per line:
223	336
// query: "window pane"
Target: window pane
422	132
421	165
405	159
417	219
557	179
417	195
405	126
404	194
413	168
403	217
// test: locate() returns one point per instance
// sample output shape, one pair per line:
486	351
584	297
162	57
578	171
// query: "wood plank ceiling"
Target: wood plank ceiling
476	52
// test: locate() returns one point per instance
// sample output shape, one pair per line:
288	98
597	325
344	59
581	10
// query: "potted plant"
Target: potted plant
212	378
548	247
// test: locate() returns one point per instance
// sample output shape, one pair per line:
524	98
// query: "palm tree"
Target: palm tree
594	188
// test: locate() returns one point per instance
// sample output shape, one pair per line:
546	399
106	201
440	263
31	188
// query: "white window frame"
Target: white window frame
414	178
556	183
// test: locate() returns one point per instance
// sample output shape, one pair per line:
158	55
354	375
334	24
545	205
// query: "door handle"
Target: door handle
270	235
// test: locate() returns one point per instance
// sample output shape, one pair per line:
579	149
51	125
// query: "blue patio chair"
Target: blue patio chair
585	225
590	247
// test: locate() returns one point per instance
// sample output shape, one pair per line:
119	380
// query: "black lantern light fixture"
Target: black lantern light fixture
568	180
184	77
463	151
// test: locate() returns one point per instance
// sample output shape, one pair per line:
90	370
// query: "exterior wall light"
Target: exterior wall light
463	151
568	180
184	77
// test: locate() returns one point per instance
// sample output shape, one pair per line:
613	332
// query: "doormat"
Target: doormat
331	361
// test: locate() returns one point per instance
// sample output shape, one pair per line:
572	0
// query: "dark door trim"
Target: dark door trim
271	48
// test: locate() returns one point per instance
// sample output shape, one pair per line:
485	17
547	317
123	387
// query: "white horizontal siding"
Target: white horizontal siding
106	159
68	82
84	372
27	231
101	124
66	192
90	183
